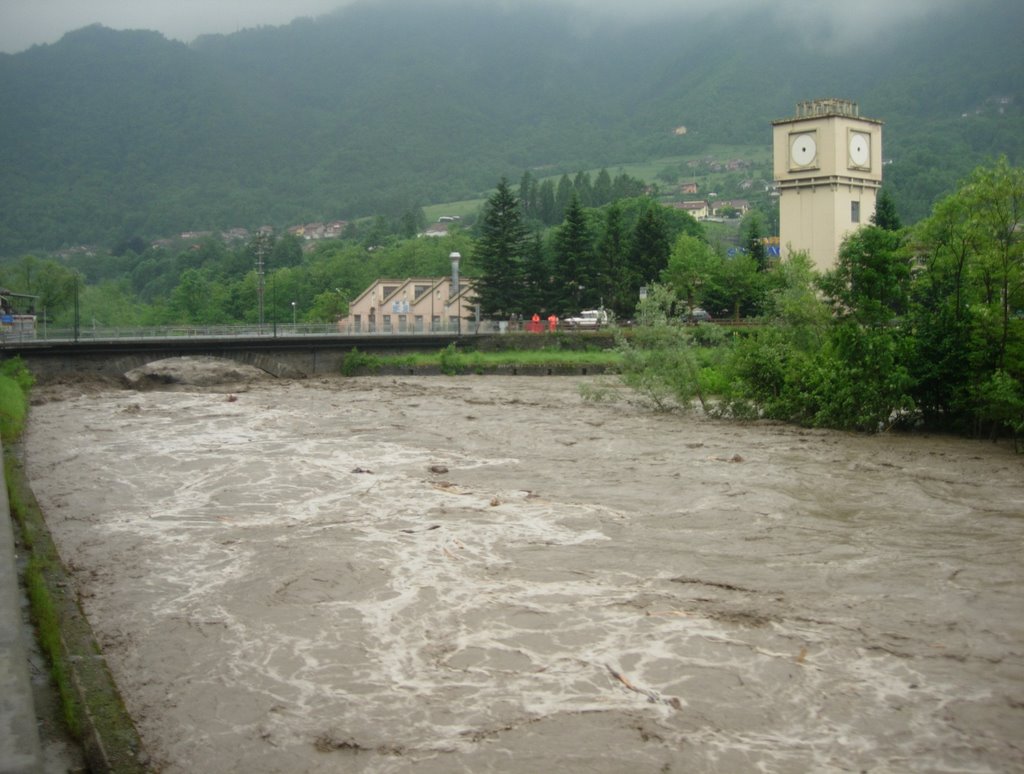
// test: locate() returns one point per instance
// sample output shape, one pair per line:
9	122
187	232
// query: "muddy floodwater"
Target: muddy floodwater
491	574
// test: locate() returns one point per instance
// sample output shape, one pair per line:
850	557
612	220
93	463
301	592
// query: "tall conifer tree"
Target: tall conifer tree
499	254
612	266
650	248
574	261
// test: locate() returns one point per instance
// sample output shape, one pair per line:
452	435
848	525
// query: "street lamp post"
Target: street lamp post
455	258
293	314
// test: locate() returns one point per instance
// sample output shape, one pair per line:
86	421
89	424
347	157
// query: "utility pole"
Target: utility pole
261	247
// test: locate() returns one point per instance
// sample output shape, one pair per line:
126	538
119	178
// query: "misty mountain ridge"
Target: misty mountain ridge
382	107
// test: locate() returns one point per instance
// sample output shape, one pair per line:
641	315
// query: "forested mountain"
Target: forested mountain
385	106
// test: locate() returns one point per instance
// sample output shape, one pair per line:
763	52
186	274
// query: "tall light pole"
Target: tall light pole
293	314
77	309
455	258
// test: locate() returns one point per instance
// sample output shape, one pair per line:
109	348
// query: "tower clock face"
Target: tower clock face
860	150
803	150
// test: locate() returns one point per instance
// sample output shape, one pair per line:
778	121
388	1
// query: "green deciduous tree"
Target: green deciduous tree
870	283
737	284
968	294
690	268
287	251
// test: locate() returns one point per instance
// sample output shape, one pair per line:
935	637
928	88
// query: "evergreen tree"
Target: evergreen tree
537	274
499	255
584	189
650	246
602	189
562	195
574	281
753	231
528	190
546	207
885	212
612	265
626	187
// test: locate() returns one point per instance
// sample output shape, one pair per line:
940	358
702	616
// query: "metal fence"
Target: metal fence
45	332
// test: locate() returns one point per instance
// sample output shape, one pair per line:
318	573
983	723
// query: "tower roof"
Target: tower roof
826	108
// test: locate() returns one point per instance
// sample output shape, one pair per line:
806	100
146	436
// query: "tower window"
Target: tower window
855	212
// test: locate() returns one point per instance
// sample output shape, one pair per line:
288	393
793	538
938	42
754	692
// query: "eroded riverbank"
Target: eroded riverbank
485	573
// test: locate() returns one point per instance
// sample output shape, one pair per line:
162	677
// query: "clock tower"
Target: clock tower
828	167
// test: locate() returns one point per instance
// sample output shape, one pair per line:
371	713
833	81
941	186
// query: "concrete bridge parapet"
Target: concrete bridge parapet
293	357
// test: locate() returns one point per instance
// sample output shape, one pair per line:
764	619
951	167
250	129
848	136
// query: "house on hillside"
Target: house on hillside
335	229
435	230
413	305
237	234
317	231
689	187
732	207
698	209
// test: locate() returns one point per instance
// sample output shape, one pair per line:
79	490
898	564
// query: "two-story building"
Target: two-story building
737	206
698	209
413	305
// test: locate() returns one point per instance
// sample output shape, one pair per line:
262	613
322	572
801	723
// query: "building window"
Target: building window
419	323
357	323
855	212
387	323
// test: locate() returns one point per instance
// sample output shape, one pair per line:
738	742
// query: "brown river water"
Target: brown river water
491	574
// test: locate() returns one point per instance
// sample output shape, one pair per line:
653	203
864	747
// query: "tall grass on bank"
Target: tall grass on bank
452	361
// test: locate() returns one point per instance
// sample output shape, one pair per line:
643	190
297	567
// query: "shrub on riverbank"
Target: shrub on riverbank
452	360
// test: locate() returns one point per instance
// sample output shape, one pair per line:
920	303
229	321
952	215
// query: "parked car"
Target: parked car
588	318
697	315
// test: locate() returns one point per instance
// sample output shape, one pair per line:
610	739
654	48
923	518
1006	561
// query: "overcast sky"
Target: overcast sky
24	23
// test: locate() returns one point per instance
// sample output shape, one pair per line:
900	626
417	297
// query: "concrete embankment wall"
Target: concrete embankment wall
105	733
19	735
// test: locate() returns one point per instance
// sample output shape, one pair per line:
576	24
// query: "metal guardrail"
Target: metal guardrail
44	333
280	330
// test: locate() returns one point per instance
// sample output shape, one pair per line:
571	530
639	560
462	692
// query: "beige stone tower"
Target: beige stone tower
828	167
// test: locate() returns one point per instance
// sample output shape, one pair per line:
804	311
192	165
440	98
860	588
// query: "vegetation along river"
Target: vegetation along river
443	574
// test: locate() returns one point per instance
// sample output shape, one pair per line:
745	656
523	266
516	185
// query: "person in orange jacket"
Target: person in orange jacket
552	321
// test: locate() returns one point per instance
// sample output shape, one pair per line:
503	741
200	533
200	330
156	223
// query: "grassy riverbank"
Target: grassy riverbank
452	361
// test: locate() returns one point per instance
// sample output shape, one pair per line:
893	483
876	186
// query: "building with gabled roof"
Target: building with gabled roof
699	209
413	305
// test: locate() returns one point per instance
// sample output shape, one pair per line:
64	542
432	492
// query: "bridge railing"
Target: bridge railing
137	332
